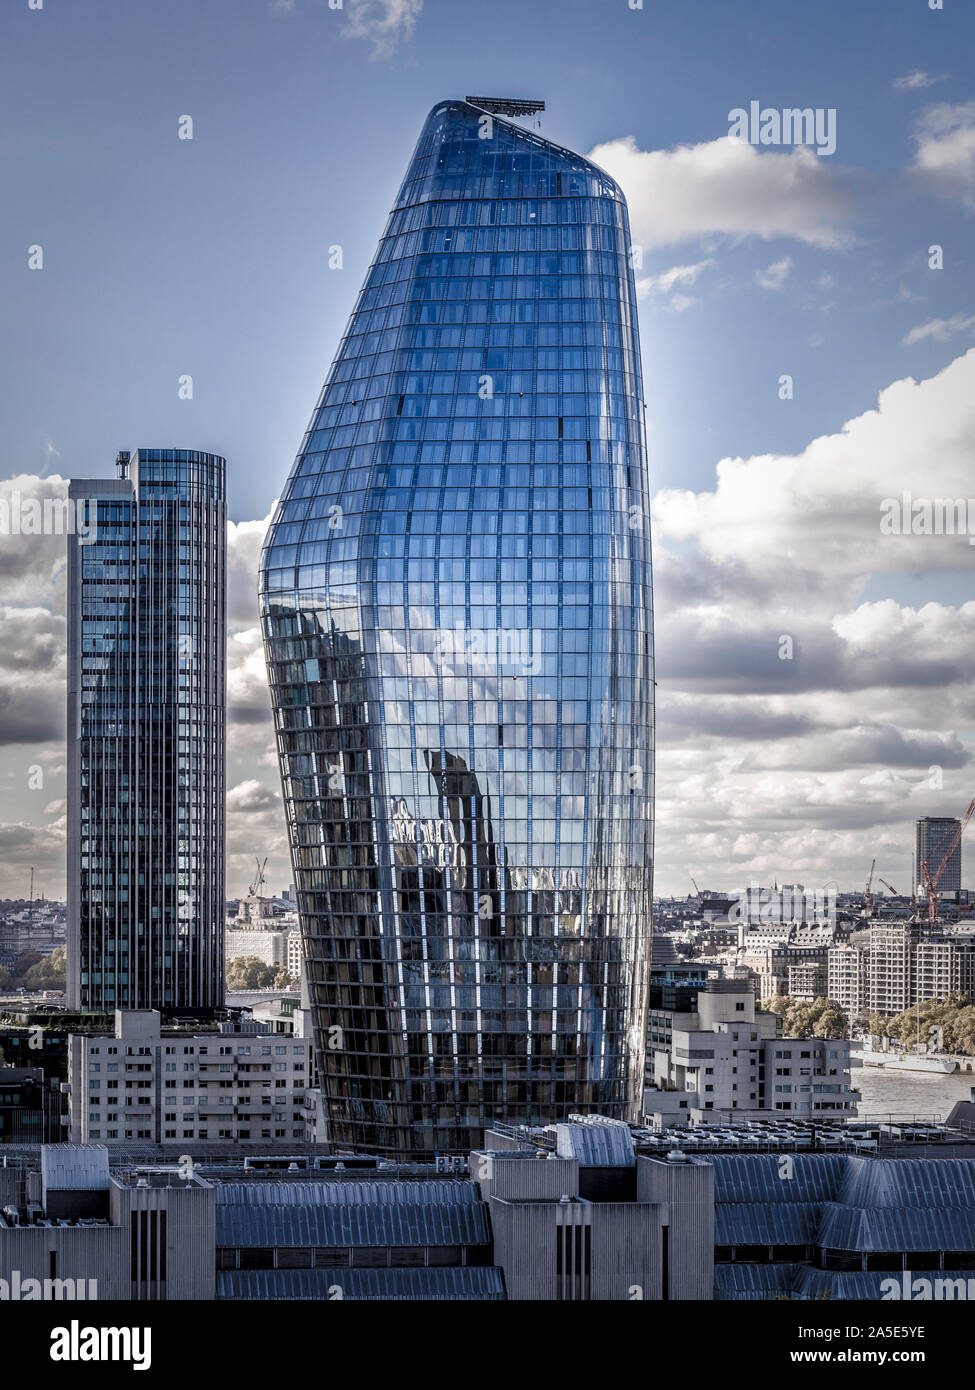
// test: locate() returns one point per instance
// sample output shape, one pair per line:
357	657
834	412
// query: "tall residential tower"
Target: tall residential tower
146	736
456	605
932	839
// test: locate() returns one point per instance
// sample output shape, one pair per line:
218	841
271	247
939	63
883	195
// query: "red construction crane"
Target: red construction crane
866	891
930	880
889	886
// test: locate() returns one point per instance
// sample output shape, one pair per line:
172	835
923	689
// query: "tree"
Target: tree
823	1018
6	978
954	1018
24	962
831	1023
250	972
49	973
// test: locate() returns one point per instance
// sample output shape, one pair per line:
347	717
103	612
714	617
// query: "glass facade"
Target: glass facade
146	737
456	606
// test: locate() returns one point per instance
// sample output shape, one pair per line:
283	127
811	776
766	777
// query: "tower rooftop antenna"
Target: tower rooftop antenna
507	106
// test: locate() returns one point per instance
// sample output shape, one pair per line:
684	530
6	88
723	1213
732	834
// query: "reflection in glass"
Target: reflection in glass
456	606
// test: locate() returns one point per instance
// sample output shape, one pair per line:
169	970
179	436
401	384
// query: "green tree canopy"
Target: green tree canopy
823	1018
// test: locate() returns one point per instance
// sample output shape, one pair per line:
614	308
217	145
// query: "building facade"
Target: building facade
456	606
848	975
168	1087
146	736
932	836
907	963
727	1056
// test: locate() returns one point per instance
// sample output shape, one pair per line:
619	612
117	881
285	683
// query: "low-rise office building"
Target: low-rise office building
728	1056
170	1087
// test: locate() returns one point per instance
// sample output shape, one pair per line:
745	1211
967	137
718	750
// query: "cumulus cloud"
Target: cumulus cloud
727	187
384	24
244	542
33	674
944	158
251	795
811	521
33	568
803	724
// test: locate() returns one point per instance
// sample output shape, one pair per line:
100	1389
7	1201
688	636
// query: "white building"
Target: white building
725	1057
170	1087
847	976
909	962
296	955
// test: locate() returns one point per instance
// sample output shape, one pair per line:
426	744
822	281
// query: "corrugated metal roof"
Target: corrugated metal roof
341	1224
74	1167
383	1284
821	1284
908	1182
740	1282
596	1145
787	1177
367	1193
774	1223
896	1228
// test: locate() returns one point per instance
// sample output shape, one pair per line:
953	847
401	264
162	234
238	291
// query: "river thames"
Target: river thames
906	1094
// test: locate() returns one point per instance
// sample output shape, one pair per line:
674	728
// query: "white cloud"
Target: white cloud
940	329
727	187
814	518
667	279
384	24
944	159
775	275
916	81
664	286
804	768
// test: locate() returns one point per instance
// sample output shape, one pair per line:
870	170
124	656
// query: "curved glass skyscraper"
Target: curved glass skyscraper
456	605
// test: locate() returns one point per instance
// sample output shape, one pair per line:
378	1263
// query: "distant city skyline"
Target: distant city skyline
814	665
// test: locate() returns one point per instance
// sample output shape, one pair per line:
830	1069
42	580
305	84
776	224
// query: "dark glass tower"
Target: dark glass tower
456	605
146	737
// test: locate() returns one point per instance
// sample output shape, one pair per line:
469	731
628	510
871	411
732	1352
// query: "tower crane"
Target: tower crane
866	891
889	886
260	880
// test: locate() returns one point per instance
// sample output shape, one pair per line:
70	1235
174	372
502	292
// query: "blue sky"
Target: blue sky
208	257
165	257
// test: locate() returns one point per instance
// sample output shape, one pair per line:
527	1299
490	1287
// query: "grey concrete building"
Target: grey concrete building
727	1056
173	1087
